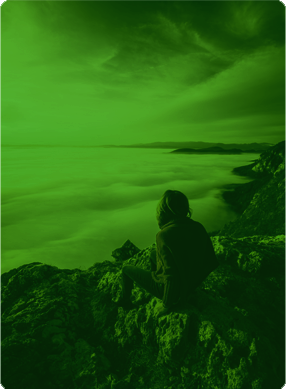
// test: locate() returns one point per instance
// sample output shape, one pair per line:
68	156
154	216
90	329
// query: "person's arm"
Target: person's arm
170	289
170	274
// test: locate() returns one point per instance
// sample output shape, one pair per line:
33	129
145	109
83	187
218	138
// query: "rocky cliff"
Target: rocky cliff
62	329
261	202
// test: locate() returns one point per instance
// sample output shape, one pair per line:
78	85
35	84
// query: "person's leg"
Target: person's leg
153	260
127	284
143	278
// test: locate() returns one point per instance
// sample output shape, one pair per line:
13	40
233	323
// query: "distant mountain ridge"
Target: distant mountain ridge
251	147
211	150
245	147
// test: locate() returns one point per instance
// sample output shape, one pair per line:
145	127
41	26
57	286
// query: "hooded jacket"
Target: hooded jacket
185	257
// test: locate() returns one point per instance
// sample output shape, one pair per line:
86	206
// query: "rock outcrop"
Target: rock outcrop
62	328
261	202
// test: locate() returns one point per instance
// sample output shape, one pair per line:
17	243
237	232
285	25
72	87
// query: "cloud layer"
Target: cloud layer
131	72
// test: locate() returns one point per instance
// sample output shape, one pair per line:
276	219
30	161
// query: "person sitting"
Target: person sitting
183	258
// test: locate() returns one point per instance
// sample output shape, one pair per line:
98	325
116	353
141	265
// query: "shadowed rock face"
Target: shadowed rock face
62	329
260	203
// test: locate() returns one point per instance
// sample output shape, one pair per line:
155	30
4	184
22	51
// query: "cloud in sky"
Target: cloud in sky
131	72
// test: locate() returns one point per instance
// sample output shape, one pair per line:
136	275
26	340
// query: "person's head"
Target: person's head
172	205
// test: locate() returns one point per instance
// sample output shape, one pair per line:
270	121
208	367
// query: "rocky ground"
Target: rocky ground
62	329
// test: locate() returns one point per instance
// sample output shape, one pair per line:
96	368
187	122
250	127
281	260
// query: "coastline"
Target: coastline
239	195
259	203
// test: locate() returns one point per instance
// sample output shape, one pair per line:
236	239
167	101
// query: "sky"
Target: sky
95	73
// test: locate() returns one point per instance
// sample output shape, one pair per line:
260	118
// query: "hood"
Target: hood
179	220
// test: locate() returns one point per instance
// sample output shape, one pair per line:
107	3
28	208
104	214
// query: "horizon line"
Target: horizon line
133	144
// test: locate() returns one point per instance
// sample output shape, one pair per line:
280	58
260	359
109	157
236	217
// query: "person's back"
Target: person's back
184	256
192	251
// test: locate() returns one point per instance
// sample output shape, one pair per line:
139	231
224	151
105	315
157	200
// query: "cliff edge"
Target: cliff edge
261	202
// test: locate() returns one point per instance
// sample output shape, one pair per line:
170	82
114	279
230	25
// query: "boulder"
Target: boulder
126	251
